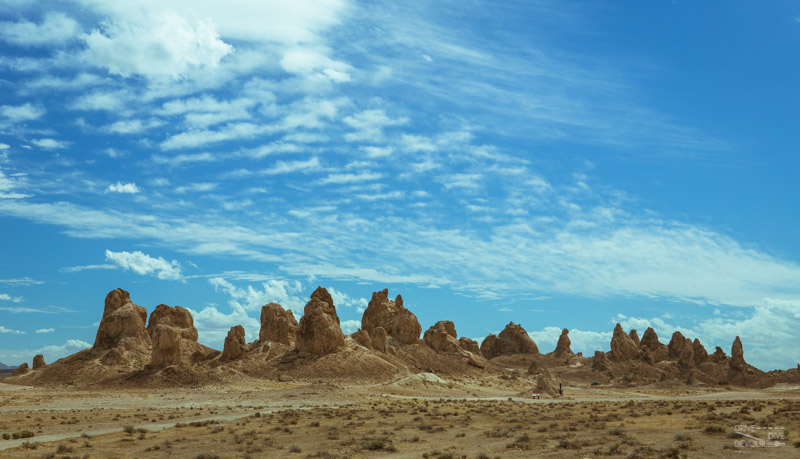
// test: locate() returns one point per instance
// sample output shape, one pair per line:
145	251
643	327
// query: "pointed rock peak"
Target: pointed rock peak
115	300
618	330
398	300
322	294
277	324
634	336
398	322
563	345
650	339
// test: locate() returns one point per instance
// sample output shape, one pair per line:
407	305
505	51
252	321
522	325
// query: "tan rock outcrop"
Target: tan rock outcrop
362	337
38	361
123	324
686	355
319	331
399	323
442	337
21	370
470	345
737	363
656	351
600	361
166	345
718	355
676	345
277	324
563	345
512	340
700	353
378	338
635	337
622	346
235	346
487	343
178	318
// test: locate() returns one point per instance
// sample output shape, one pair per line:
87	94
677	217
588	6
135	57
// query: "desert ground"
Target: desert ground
422	415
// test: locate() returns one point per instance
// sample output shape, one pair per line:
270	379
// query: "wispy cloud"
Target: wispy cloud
11	331
124	188
141	263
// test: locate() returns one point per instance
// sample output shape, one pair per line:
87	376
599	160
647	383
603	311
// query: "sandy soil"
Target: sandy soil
418	416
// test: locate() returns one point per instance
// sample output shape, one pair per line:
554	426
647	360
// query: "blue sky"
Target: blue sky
558	164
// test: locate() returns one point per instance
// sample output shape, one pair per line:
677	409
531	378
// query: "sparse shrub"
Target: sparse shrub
714	429
6	436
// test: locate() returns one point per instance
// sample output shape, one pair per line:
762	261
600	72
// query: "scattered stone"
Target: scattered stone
442	337
178	318
319	331
563	346
123	324
21	370
285	378
204	355
38	361
399	323
166	345
235	346
622	346
277	324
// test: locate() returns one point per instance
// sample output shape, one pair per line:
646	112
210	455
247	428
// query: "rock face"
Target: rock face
319	331
166	345
378	338
676	345
362	337
655	351
547	384
622	346
38	361
21	370
512	340
235	346
737	362
123	324
470	345
718	355
277	324
600	361
399	323
177	317
442	337
562	348
686	355
700	353
634	336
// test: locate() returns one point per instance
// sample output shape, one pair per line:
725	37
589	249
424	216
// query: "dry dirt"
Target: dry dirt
422	415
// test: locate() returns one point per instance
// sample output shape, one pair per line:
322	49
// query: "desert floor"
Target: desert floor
416	416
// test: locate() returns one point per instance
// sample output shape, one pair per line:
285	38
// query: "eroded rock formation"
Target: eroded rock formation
622	346
512	340
442	337
178	318
166	345
319	331
123	323
277	325
737	363
563	345
234	346
399	323
38	361
21	370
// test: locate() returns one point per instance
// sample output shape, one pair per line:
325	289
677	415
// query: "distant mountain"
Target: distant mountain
3	366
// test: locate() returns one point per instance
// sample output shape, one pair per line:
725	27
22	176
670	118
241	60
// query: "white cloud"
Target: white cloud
120	187
24	281
55	29
4	146
132	126
141	263
7	297
10	331
199	137
340	179
184	159
288	167
213	325
24	112
159	45
50	144
196	188
75	269
283	292
341	299
369	124
102	100
8	186
350	326
51	353
45	330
